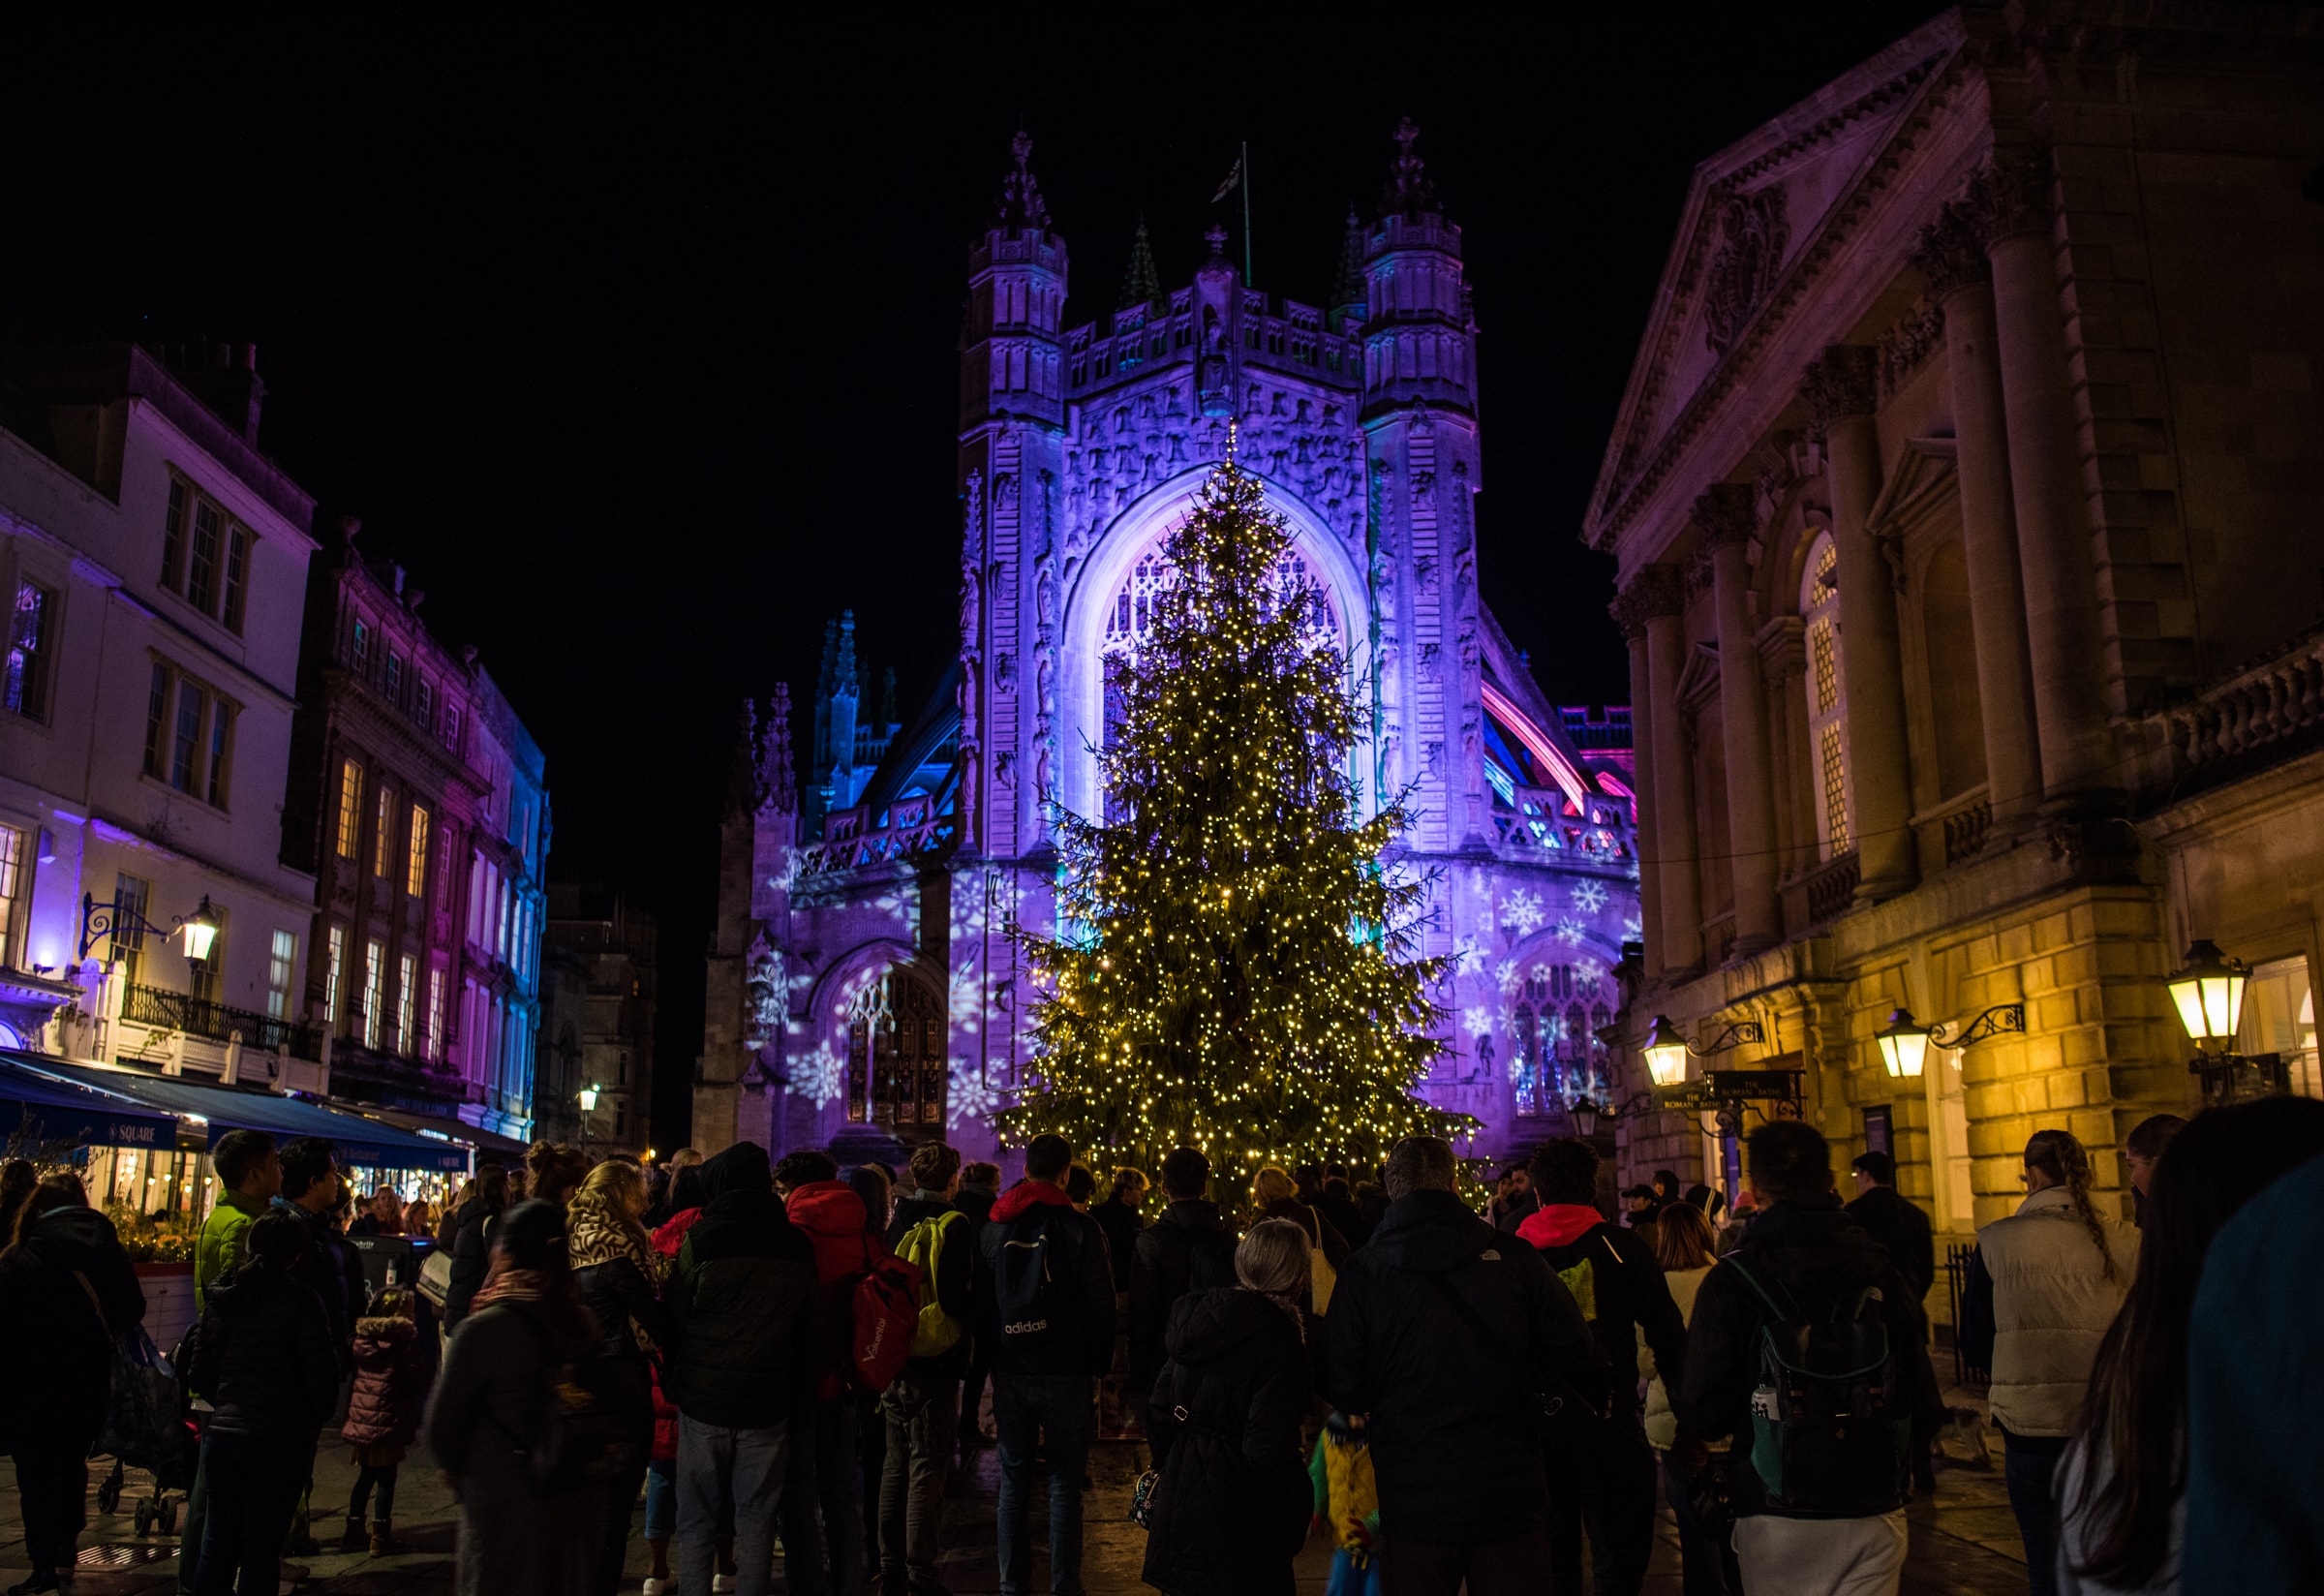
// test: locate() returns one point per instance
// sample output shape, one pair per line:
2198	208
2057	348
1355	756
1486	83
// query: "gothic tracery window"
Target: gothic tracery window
1553	1027
1826	687
896	1055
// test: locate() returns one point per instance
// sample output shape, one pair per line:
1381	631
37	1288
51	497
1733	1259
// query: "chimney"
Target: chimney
226	377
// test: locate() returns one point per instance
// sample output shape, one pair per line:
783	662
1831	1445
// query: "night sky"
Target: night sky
636	344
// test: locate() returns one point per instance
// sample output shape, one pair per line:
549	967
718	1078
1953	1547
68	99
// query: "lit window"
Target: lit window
416	866
132	898
237	577
201	576
11	886
407	993
350	807
335	966
1826	690
282	964
174	535
435	1045
382	831
374	975
31	644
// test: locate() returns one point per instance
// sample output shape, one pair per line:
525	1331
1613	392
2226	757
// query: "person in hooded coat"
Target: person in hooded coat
56	1336
1231	1512
1189	1248
525	1324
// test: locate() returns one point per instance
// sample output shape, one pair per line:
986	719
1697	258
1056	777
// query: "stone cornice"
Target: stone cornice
2010	195
1951	256
1656	591
1844	381
1728	513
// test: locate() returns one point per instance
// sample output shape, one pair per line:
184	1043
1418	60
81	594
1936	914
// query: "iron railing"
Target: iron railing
1957	1255
198	1017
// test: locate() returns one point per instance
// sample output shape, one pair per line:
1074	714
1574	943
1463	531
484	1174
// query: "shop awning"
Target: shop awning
219	1109
40	1110
458	1130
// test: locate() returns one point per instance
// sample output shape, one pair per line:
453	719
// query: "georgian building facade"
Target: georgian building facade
416	798
155	563
865	980
1967	501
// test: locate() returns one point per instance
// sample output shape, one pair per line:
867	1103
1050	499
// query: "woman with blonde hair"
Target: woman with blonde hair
616	1274
2043	1286
1231	1510
1276	1196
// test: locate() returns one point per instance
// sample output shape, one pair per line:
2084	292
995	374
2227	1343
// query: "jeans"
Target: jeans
190	1524
1706	1562
613	1537
1510	1567
52	1482
823	1475
1822	1556
255	1483
715	1466
383	1477
661	1500
2028	1463
919	1419
1025	1408
1610	1494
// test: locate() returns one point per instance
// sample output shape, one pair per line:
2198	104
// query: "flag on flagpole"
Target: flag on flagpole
1234	180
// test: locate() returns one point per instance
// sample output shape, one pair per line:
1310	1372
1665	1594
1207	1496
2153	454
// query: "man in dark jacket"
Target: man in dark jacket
917	1409
1617	1284
310	1191
1897	1223
1446	1332
742	1303
1050	1318
1189	1248
980	1188
262	1357
1803	1247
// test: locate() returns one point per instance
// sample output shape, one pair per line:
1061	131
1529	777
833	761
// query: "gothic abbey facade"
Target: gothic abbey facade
865	985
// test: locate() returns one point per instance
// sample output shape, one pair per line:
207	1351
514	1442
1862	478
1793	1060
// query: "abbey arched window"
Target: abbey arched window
1131	619
896	1054
1553	1030
1826	687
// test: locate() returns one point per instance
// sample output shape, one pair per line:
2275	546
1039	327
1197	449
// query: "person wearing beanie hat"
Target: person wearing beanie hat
526	1323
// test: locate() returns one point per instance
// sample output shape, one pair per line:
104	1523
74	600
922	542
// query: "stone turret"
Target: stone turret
1418	339
1011	362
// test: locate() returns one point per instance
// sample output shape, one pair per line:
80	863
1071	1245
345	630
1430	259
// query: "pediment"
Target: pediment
1758	219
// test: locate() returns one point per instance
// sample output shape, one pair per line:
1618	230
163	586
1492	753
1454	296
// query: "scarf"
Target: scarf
597	1232
506	1283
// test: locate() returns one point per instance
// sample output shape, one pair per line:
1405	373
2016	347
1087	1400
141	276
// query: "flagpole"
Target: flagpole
1247	214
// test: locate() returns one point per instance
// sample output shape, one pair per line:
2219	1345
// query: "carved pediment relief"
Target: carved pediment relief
1752	236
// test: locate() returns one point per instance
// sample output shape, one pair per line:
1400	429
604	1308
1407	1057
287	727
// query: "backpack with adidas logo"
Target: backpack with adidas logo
1031	1290
934	1331
1831	1420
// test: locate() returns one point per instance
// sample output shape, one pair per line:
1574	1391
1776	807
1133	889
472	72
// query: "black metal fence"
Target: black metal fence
197	1017
1957	1255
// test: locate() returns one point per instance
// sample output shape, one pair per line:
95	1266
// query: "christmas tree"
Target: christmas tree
1235	965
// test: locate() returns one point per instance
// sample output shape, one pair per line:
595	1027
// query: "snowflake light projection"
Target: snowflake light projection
1571	931
1478	1020
969	1094
1589	896
1521	912
820	1075
1508	976
1588	970
1632	929
1468	955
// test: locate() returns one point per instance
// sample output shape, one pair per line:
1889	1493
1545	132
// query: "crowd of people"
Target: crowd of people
788	1359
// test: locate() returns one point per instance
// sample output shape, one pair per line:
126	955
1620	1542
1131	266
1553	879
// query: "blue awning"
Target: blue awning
40	1110
219	1109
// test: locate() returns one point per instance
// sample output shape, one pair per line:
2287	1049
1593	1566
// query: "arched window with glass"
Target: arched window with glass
896	1054
1554	1019
1826	685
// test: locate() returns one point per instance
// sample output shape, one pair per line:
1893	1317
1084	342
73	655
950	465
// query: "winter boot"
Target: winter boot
353	1538
382	1540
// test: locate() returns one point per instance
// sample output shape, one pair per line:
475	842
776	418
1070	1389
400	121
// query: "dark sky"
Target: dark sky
637	344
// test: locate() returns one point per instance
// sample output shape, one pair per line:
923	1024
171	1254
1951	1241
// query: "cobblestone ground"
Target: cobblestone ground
1963	1541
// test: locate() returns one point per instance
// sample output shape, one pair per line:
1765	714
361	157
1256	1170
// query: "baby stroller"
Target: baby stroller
147	1429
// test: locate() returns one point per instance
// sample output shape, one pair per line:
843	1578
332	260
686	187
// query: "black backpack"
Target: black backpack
585	1430
1032	1285
1831	1424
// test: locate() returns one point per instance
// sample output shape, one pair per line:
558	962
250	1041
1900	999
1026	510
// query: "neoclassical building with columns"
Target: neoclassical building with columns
1967	496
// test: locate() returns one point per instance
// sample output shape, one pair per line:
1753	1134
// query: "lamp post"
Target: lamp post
2208	992
106	919
1905	1041
587	1096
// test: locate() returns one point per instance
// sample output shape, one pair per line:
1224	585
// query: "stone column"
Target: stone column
1842	388
1960	278
1728	519
1782	659
1630	615
2009	206
1662	598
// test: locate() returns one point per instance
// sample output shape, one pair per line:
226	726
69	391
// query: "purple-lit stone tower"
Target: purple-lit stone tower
865	986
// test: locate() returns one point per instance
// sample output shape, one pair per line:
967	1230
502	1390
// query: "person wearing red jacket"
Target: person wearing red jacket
823	1471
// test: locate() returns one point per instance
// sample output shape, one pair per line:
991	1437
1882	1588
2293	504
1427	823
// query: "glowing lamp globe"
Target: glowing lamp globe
1665	1052
201	931
1904	1045
2209	994
589	1100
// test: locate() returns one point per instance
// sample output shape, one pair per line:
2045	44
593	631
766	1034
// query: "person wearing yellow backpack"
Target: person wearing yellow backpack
919	1408
1618	1285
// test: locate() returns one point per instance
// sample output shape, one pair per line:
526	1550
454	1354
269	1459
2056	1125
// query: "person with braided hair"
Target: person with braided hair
2043	1286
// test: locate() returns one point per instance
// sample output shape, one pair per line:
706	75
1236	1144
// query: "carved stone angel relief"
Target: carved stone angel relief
1752	236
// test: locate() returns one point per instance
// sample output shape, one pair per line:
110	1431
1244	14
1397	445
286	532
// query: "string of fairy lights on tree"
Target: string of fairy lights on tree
1235	969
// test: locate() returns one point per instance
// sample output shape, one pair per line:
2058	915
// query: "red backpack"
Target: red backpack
885	1298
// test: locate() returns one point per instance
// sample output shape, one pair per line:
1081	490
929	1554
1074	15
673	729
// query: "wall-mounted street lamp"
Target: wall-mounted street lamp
198	930
589	1100
1666	1051
1904	1043
2208	992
